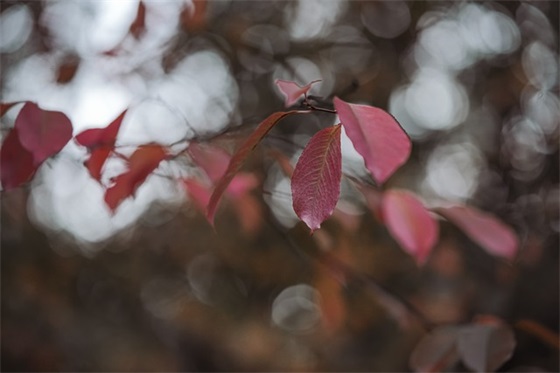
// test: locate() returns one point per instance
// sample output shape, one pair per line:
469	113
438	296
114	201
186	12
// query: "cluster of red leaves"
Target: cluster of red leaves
385	147
40	134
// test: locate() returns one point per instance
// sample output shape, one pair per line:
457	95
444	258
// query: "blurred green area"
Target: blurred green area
169	293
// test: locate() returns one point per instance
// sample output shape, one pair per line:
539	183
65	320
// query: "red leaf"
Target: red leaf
316	178
410	223
291	91
213	160
101	142
96	137
377	136
193	18
138	26
42	132
242	153
140	165
484	229
437	351
485	347
16	162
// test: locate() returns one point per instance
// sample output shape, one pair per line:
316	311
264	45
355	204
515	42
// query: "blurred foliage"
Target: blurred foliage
476	86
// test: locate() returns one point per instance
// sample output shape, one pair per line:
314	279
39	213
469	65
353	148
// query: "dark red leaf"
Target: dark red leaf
316	178
67	69
96	137
437	351
16	162
193	18
42	132
377	136
410	223
138	26
485	347
484	229
241	155
100	142
291	91
140	165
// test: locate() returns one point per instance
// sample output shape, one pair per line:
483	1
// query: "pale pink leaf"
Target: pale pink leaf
316	178
211	159
484	229
241	155
291	91
242	184
376	136
410	223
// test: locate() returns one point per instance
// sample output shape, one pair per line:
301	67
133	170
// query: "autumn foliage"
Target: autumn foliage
39	134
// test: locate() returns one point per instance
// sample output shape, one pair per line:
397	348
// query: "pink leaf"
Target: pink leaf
316	178
485	347
484	229
410	223
291	91
241	155
213	160
377	136
100	142
140	165
16	162
43	133
241	184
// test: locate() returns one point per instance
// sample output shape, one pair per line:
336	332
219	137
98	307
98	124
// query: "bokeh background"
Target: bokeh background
155	288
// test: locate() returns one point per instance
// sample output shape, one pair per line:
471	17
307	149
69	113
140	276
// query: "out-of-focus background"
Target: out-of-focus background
155	288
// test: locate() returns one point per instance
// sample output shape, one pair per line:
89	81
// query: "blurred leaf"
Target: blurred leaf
410	223
316	178
140	165
198	193
138	26
213	160
241	155
485	347
484	229
193	17
436	351
377	136
291	91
